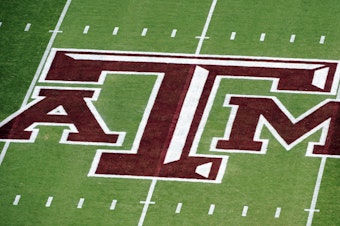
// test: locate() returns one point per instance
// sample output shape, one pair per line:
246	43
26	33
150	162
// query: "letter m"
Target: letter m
249	114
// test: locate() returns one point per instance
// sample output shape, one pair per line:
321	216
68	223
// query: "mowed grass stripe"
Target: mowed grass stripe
132	16
21	52
248	19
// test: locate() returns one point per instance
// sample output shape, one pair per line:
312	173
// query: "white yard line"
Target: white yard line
205	28
147	202
312	209
197	52
39	69
47	51
4	151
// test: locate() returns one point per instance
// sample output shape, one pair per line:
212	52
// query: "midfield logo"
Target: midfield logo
177	111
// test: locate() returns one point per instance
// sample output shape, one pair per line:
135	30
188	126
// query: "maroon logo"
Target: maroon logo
173	122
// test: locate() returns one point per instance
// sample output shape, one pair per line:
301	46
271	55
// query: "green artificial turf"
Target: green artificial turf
278	179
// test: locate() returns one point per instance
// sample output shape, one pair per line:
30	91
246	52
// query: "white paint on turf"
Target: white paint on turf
60	110
262	37
115	31
28	26
145	30
205	28
320	77
171	60
113	204
312	208
198	49
322	39
186	115
47	50
278	212
56	31
244	211
173	33
179	207
204	169
4	151
49	201
233	35
211	209
292	38
147	202
86	29
71	127
16	200
80	203
39	69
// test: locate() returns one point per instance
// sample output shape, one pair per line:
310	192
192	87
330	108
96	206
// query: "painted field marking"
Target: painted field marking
211	209
47	51
322	39
86	29
28	26
16	200
113	204
173	33
39	69
4	151
147	202
115	31
312	208
80	203
244	211
205	28
49	201
278	212
186	115
233	35
55	31
0	23
145	30
292	38
262	37
179	207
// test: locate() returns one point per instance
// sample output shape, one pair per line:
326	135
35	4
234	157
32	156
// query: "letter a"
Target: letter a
71	107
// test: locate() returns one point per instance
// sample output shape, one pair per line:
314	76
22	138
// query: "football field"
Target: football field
169	112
